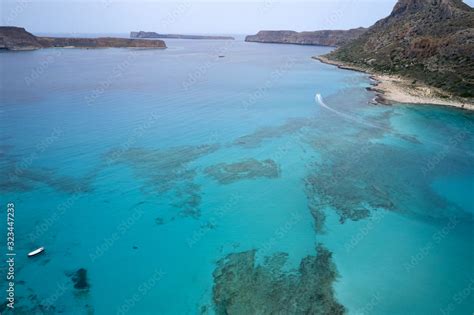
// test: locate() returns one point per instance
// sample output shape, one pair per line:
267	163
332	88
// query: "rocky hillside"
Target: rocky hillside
429	41
321	38
142	34
17	38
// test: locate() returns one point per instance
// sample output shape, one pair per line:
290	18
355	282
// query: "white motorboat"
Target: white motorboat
36	252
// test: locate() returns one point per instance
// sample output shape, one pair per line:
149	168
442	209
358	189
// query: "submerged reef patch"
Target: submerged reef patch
241	286
31	303
166	171
355	185
372	168
188	200
248	169
319	218
161	169
79	279
290	127
21	175
159	221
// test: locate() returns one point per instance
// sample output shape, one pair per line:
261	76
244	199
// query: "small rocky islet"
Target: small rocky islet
142	34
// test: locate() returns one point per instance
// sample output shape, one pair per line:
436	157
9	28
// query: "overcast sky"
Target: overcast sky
191	16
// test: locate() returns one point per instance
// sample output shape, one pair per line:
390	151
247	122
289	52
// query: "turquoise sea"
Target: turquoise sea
205	178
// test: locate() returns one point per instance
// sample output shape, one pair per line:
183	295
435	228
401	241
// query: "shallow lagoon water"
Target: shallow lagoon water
105	152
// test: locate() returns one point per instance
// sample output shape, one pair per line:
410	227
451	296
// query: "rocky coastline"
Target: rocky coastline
397	89
17	39
332	38
422	51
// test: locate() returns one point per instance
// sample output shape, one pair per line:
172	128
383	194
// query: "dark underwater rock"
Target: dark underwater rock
226	173
241	286
319	218
79	278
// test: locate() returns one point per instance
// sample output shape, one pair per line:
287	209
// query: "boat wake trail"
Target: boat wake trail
319	99
449	148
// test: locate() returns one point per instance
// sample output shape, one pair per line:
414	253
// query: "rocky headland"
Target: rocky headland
142	34
17	38
320	38
423	52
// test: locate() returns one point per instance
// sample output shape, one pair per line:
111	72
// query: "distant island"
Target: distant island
17	38
423	52
142	34
320	38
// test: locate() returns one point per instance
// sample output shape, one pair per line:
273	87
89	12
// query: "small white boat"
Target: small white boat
36	252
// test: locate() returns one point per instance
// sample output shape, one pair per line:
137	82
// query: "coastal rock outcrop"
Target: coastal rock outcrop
320	38
428	41
17	38
142	34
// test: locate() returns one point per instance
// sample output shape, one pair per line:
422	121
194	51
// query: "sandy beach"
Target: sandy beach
401	90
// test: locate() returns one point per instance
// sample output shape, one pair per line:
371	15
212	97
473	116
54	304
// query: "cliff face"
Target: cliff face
17	38
431	41
322	38
142	34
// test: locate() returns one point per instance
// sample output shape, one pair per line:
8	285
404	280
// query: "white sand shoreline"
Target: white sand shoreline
400	90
